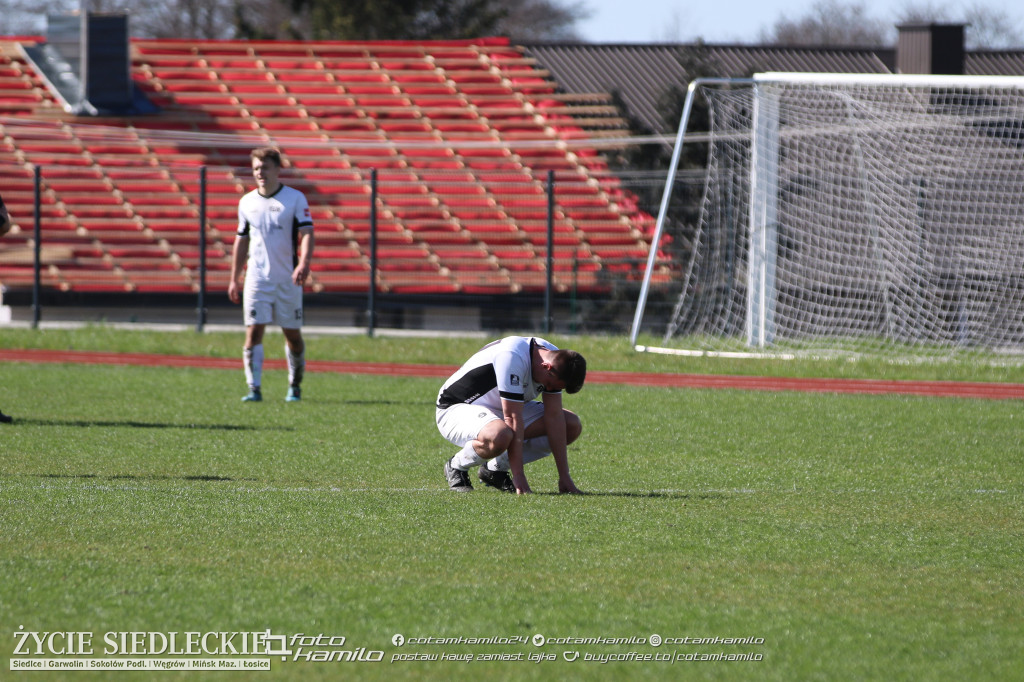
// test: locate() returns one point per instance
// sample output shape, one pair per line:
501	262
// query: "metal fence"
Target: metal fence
436	249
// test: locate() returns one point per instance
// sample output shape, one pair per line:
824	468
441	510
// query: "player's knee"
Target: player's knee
293	339
495	440
254	335
573	426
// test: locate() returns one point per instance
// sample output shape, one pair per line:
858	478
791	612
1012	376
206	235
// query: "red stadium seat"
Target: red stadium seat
457	121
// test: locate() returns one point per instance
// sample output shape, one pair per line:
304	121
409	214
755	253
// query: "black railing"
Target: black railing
534	275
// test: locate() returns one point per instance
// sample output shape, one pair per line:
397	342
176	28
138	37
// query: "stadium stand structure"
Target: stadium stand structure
462	136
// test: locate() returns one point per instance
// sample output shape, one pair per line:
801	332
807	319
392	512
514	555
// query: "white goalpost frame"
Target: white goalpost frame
764	162
764	155
659	228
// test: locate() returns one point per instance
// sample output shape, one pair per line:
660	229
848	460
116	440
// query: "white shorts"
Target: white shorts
268	303
462	423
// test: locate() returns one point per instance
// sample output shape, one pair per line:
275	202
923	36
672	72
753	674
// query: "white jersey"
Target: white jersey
499	370
272	225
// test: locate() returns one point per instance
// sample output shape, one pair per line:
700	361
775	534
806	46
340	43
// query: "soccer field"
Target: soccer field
756	535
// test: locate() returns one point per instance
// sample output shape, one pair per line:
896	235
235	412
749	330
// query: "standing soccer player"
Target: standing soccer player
274	245
5	227
488	409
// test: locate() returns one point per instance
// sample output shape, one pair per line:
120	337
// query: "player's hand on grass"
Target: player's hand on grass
522	487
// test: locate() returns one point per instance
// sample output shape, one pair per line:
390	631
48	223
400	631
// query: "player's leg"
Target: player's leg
252	355
535	441
535	438
491	440
295	352
257	312
479	432
495	472
288	315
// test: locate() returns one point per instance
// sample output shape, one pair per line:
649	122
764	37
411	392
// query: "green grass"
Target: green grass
863	537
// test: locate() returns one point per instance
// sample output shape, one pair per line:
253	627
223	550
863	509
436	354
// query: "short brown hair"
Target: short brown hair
267	154
571	368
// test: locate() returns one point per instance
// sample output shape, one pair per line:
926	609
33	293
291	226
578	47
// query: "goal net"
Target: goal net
844	213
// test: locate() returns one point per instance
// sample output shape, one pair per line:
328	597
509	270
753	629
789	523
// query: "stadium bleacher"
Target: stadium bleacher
452	129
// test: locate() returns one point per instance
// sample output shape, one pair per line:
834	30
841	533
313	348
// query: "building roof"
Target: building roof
641	74
994	63
637	74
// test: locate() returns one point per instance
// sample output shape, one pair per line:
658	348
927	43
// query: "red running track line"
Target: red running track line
946	389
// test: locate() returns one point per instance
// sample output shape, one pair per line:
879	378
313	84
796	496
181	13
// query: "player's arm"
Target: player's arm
239	252
5	219
512	410
303	222
554	427
301	272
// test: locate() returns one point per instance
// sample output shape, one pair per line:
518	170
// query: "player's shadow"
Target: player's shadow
132	424
644	494
145	477
364	403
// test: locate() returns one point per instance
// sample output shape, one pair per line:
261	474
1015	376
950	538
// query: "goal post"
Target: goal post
843	213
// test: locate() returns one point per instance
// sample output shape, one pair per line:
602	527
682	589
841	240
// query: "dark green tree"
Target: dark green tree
397	19
409	19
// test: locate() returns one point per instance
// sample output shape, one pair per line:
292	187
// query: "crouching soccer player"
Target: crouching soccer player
488	409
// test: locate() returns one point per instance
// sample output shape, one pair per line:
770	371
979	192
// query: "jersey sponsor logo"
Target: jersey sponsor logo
514	379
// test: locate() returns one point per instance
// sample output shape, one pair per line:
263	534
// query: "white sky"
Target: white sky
727	21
